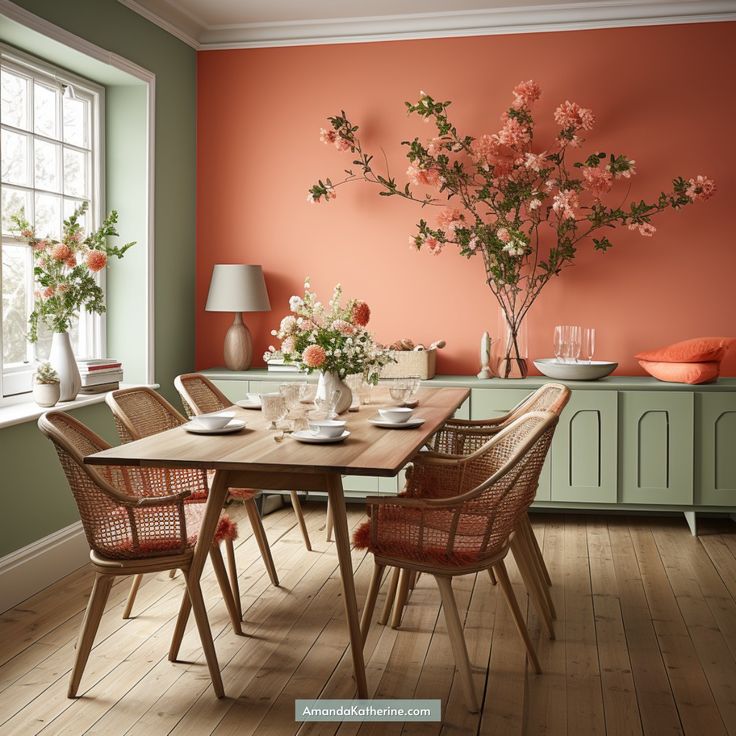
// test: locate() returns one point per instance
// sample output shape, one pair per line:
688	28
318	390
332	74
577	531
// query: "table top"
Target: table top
369	450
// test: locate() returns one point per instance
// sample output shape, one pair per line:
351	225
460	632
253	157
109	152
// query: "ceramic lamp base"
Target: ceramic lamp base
238	346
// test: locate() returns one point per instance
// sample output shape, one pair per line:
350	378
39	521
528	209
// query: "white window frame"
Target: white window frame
17	380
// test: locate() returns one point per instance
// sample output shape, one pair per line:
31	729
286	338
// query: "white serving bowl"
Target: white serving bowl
396	414
216	420
581	371
327	427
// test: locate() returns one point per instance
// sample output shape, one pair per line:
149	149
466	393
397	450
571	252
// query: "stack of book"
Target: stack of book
277	364
100	375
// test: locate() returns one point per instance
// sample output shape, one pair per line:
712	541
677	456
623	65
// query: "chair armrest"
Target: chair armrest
148	501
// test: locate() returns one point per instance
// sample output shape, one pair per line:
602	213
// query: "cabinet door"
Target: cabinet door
234	390
584	449
715	422
487	403
657	447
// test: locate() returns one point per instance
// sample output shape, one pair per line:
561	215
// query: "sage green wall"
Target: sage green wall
36	499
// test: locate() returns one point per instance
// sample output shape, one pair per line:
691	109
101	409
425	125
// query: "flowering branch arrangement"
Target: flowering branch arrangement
64	269
522	209
329	338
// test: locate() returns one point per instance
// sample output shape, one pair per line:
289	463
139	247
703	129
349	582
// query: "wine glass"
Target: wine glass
399	390
589	343
561	341
326	404
274	408
575	343
413	382
290	392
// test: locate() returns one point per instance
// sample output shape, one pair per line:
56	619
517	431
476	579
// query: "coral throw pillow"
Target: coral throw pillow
697	350
682	372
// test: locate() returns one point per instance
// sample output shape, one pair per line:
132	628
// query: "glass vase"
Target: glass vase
511	348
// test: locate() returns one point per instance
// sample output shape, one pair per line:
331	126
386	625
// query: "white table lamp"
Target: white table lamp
238	288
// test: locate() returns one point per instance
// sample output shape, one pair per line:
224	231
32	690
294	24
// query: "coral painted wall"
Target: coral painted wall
662	95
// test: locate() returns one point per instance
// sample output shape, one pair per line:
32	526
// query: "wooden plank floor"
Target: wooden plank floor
646	643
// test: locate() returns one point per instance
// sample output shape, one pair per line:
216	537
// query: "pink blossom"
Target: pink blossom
62	288
503	167
484	150
343	327
431	176
473	243
41	245
60	252
288	345
535	161
361	313
75	237
701	187
307	325
597	181
71	262
514	133
571	115
525	93
434	146
314	356
48	292
96	260
26	232
450	219
564	203
534	204
503	235
342	144
327	136
434	245
288	325
645	228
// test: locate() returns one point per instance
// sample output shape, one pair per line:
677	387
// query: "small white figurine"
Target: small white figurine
485	357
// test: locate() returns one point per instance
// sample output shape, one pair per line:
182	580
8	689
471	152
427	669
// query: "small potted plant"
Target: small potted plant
46	385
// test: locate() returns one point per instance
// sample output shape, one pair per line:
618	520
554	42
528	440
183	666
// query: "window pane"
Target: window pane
15	283
48	216
72	204
42	347
16	154
14	200
47	158
14	108
76	121
46	110
75	172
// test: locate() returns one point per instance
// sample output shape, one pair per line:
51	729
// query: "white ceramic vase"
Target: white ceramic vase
46	394
62	361
329	381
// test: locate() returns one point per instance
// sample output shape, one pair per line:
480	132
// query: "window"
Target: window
50	163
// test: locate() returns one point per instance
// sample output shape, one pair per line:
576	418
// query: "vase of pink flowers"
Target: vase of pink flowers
331	339
522	207
65	272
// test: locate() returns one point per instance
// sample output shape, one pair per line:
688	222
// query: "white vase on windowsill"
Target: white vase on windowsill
62	359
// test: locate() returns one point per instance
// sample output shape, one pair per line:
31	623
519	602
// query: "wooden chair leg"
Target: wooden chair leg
260	534
370	601
205	634
390	595
181	624
535	555
232	570
493	576
132	594
172	574
90	623
328	521
457	640
227	592
534	584
508	591
539	557
400	602
297	506
413	577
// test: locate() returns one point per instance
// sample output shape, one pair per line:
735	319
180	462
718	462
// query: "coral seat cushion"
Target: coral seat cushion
682	372
697	350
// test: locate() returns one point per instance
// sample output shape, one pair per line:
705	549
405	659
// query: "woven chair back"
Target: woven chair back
141	412
199	395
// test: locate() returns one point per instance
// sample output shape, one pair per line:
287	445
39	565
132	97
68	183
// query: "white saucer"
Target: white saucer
234	425
306	436
248	404
408	424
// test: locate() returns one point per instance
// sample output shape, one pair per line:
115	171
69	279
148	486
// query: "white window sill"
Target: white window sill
29	411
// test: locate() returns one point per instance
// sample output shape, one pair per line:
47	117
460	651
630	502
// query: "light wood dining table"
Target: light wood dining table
252	458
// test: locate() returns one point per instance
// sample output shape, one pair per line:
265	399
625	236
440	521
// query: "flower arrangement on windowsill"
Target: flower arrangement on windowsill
330	339
523	209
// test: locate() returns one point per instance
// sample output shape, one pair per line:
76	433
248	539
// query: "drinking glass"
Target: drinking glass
399	390
326	404
274	408
561	341
575	343
589	343
413	382
290	392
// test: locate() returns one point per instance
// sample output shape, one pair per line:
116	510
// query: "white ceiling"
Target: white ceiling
248	23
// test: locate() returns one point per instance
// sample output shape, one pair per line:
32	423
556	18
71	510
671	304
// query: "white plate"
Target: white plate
248	404
408	424
306	436
581	371
234	425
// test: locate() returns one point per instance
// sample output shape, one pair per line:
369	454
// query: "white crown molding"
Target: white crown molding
492	21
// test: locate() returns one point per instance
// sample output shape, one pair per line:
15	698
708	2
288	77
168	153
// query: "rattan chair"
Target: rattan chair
460	516
136	520
200	396
141	412
462	437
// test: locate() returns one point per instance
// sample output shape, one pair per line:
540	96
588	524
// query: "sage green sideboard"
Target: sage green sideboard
623	443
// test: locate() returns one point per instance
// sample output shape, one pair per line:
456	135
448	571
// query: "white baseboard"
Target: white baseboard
32	568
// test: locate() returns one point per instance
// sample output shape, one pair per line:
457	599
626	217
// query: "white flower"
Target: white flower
295	303
535	204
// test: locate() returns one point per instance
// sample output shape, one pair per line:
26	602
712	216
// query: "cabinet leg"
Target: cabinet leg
692	522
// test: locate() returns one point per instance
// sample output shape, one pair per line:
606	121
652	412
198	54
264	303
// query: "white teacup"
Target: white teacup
253	398
216	420
327	427
395	414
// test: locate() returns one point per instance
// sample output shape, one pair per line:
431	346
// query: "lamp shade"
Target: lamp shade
236	287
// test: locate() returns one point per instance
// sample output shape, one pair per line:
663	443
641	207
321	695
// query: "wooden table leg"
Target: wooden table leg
215	502
342	543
